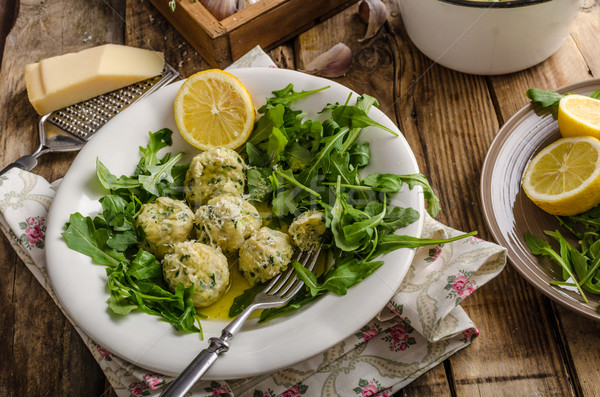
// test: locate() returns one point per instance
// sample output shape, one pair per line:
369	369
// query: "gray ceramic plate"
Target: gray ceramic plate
509	213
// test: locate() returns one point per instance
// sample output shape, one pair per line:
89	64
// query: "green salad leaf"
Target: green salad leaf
550	99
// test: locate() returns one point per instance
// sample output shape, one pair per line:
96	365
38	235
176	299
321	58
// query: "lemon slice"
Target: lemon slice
213	108
564	178
579	115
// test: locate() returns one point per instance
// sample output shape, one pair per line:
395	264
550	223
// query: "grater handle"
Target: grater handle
26	163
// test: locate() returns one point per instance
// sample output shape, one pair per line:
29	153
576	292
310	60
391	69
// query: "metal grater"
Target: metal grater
70	128
83	119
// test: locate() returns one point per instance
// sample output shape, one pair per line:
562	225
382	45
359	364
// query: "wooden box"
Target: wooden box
267	23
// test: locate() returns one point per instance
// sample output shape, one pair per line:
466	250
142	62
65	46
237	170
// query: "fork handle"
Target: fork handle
194	371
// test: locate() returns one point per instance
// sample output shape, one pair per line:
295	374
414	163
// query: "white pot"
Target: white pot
488	38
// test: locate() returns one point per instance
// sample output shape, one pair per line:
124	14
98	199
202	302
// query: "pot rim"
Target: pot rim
494	4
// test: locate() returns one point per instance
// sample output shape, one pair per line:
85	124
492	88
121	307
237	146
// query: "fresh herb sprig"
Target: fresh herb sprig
550	99
135	276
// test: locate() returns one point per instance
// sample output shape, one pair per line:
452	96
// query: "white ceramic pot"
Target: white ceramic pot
481	37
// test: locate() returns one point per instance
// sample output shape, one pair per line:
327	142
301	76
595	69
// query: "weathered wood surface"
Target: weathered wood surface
528	345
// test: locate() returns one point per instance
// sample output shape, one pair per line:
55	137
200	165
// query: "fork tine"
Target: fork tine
311	259
290	287
279	281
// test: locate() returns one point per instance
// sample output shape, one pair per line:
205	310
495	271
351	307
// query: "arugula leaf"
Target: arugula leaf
354	117
392	242
341	278
318	163
546	99
539	247
158	173
277	142
258	183
287	96
81	235
158	140
111	182
272	118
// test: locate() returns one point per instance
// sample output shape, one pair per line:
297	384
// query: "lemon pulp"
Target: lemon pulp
564	178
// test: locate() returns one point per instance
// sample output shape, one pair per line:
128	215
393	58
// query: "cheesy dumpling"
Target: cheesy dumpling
164	223
307	230
226	222
200	265
213	173
265	254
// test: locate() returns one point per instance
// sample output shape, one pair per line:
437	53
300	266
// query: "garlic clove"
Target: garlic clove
334	62
374	14
220	9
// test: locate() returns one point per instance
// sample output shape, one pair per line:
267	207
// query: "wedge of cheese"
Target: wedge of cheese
61	81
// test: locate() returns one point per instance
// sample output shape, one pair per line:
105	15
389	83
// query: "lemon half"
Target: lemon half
579	115
213	108
564	178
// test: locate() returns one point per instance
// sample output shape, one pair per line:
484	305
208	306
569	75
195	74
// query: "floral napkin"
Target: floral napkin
422	325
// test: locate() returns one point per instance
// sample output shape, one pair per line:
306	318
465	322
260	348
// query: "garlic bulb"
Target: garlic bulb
221	9
374	14
334	62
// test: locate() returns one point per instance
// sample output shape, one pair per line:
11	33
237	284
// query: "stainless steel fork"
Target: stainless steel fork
278	292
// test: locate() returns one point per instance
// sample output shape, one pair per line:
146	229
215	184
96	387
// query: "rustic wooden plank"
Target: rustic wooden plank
8	9
283	56
41	353
450	119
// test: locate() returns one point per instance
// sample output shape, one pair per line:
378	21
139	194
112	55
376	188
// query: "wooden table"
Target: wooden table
528	345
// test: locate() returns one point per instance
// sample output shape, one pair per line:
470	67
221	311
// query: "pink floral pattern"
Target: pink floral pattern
470	334
105	354
399	337
460	286
434	253
371	388
138	389
367	332
295	391
154	381
34	230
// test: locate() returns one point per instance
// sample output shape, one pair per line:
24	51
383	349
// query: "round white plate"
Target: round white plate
151	343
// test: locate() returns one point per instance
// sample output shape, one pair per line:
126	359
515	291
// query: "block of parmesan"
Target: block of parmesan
61	81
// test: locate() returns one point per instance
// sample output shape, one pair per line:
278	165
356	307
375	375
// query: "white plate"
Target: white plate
153	344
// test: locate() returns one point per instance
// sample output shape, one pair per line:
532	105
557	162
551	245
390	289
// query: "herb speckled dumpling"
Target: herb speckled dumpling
307	230
226	222
164	222
264	255
199	264
213	173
